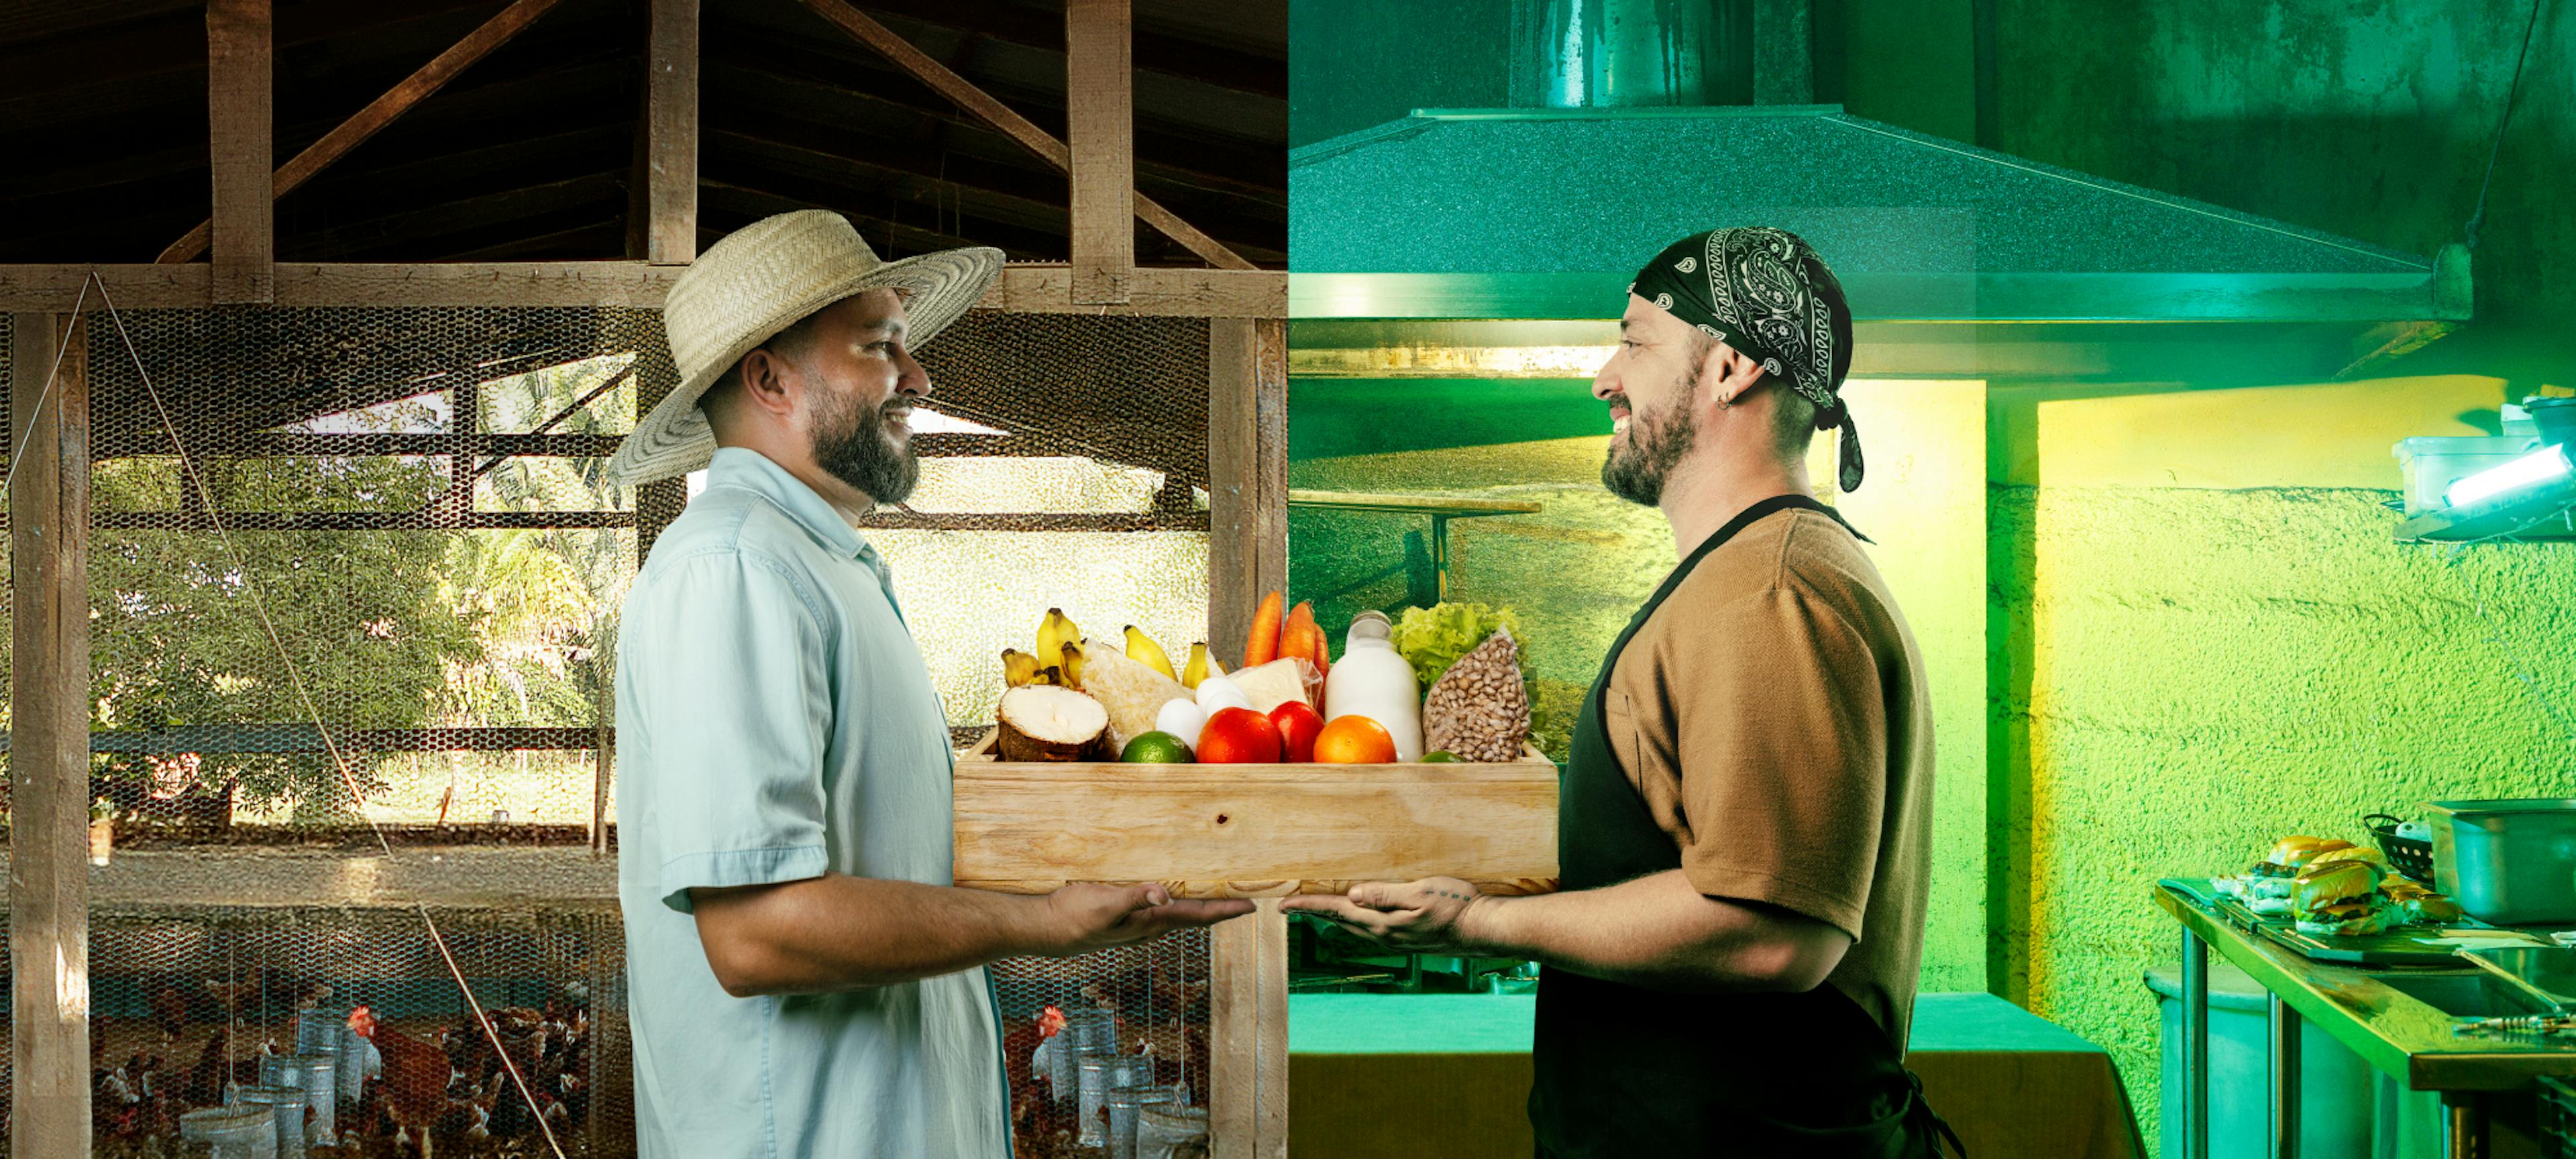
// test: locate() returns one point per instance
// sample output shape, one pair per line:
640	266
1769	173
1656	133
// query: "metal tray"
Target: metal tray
2404	946
2544	974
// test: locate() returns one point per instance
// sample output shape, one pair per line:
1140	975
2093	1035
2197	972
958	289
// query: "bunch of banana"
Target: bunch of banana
1020	669
1054	632
1069	672
1142	649
1202	665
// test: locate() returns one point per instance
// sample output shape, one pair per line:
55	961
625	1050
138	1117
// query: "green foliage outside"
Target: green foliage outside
386	629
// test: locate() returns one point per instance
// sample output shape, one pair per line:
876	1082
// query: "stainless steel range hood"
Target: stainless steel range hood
1545	213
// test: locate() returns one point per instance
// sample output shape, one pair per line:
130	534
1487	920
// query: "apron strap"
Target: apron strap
1920	1113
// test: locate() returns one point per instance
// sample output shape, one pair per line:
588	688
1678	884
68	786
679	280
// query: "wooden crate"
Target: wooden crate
1253	830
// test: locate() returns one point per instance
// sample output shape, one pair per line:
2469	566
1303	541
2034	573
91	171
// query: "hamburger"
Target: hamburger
2291	854
2337	897
2418	904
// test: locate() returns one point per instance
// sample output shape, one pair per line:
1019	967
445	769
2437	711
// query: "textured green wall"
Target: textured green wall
2210	670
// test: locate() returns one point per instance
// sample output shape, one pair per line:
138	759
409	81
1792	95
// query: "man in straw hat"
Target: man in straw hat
803	978
1743	831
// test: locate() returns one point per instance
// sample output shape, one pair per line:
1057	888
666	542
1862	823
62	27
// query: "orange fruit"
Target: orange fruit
1354	740
1238	736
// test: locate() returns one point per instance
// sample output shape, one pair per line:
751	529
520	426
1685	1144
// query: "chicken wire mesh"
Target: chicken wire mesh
408	505
410	508
212	998
1155	999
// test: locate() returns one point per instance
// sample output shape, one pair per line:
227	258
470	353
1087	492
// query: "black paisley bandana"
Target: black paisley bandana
1764	292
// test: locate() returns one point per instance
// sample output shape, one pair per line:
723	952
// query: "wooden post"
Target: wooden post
1248	1036
49	745
238	120
1247	556
671	135
1247	474
1100	127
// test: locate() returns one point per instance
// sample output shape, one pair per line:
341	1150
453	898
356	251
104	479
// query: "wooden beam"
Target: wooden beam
975	100
1027	287
240	125
1035	288
1248	1035
1100	128
671	134
49	758
2374	349
1248	475
417	87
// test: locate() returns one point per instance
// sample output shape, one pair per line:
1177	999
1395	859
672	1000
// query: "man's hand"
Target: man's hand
1091	917
1425	916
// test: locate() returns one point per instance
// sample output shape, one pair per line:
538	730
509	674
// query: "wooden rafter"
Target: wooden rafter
1100	130
1024	287
975	100
380	112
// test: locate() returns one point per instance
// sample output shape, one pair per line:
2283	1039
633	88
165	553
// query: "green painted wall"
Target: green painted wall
2210	670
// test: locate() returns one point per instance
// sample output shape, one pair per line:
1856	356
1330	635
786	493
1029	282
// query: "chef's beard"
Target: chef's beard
852	443
1636	469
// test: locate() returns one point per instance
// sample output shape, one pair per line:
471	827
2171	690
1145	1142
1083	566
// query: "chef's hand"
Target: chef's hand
1425	916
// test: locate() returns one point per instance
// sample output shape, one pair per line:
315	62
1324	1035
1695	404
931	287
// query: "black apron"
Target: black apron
1622	1071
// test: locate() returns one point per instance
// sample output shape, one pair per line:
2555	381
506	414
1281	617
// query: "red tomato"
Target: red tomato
1298	727
1238	736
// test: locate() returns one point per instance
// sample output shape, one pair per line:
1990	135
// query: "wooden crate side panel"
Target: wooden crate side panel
1251	831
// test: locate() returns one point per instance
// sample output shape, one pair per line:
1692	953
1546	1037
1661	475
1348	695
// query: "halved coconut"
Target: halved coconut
1042	722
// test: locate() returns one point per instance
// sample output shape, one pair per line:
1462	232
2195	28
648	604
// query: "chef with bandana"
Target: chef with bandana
1744	828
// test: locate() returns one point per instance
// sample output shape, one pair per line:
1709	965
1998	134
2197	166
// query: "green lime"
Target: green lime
1440	757
1156	748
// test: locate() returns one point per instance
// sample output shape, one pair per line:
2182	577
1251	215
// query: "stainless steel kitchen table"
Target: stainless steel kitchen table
2398	1021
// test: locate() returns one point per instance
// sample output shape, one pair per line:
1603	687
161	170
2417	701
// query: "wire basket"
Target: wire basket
2557	1118
2412	856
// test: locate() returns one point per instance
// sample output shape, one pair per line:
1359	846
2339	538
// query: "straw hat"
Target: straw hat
764	278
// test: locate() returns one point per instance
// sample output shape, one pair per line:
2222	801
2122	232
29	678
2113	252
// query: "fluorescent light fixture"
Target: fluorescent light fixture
2545	466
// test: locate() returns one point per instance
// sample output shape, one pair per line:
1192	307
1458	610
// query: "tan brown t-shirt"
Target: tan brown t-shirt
1773	715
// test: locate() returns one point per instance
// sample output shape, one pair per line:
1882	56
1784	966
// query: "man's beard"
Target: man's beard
1656	444
851	443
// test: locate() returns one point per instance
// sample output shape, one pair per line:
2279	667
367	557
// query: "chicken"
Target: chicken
170	1009
229	995
414	1084
204	1084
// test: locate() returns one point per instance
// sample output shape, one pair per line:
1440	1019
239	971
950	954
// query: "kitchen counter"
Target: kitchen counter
2397	1019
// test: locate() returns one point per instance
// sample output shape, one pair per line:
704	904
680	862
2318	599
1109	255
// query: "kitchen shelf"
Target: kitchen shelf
2547	517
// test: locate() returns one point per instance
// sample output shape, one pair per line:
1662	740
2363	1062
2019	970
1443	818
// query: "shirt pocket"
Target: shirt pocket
1619	720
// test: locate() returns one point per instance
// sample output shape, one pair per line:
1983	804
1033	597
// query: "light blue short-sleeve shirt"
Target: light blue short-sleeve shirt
775	722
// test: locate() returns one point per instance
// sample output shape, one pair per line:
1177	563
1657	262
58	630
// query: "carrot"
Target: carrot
1300	637
1264	645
